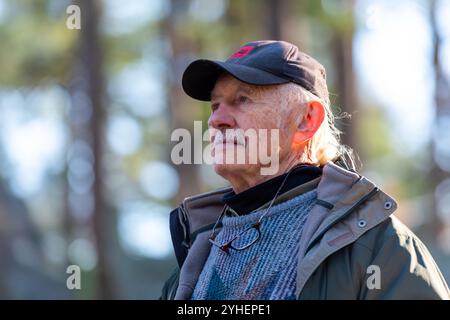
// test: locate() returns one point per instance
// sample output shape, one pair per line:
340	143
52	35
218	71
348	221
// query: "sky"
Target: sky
392	57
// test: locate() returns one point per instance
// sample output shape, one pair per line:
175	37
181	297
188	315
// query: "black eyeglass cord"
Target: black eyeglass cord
256	224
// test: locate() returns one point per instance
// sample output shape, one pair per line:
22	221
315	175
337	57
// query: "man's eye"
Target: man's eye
242	99
214	106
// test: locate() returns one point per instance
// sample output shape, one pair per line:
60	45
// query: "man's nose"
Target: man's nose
221	118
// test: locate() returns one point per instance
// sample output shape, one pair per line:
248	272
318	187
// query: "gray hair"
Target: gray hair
325	146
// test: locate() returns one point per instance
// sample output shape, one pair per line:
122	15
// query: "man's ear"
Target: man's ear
310	122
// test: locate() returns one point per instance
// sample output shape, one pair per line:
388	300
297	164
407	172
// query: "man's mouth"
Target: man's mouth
233	142
233	139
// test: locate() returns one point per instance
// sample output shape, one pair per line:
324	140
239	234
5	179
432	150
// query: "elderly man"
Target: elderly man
312	228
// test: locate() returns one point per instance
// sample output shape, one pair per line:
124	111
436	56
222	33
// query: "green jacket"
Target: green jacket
352	246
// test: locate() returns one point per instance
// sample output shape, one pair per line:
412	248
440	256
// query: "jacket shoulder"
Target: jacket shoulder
390	228
406	266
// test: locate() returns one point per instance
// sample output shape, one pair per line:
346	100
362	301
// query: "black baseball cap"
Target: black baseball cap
258	63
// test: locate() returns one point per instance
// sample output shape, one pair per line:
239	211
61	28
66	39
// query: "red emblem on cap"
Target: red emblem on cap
242	52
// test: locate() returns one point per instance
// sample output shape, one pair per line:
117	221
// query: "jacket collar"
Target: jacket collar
357	206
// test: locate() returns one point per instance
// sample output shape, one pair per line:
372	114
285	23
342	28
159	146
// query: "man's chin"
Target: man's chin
227	169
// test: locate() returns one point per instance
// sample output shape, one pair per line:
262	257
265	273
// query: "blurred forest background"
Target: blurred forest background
86	117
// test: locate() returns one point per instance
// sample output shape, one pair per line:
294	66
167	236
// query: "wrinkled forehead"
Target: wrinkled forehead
227	84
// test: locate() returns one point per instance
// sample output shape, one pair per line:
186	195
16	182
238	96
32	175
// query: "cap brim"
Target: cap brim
200	77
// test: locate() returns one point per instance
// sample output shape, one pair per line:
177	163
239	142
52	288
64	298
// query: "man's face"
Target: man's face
242	107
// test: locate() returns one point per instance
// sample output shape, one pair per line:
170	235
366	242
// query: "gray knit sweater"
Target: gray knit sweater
267	269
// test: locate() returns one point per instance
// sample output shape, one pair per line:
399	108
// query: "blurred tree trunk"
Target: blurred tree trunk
442	111
283	17
87	122
179	109
342	49
275	18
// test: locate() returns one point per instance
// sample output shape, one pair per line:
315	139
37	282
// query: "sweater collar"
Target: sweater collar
255	197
